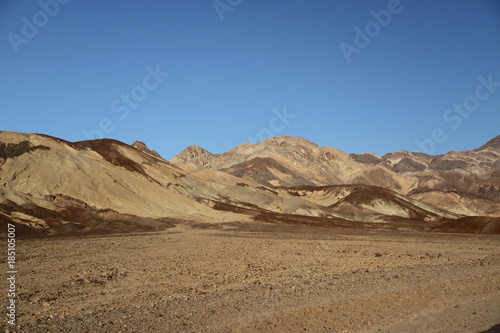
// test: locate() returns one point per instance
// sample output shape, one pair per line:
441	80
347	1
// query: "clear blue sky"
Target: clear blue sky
226	76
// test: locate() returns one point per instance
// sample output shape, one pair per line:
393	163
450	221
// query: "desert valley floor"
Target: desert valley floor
260	277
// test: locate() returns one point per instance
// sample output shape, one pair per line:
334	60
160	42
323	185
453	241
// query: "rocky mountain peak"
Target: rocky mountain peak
195	151
285	139
195	156
291	161
493	144
145	149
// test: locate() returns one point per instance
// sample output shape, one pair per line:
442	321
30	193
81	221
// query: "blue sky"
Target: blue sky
241	71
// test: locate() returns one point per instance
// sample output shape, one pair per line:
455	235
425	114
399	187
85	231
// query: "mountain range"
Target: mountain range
49	186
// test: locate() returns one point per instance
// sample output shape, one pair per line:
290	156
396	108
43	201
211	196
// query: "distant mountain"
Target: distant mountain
194	157
287	161
475	172
49	186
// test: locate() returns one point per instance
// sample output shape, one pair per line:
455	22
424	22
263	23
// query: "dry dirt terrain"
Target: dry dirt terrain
259	277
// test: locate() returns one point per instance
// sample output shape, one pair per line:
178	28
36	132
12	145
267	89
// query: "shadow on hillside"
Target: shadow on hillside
494	329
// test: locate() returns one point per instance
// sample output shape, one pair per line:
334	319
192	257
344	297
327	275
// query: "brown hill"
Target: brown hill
142	147
287	161
458	202
367	203
194	157
90	178
52	186
493	144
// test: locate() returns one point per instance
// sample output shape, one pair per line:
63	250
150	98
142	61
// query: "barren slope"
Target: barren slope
57	187
287	161
40	174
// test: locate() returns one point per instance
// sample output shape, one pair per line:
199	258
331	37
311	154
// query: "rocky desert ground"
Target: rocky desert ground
259	277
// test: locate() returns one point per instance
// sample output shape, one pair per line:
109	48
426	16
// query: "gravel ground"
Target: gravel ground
259	277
